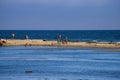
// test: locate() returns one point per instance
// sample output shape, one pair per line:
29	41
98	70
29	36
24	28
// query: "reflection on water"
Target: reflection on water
58	63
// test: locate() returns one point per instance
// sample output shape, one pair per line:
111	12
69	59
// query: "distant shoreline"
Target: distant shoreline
40	42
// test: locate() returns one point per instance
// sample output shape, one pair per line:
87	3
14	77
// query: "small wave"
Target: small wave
106	59
60	59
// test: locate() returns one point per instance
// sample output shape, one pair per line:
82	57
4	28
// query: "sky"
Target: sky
59	14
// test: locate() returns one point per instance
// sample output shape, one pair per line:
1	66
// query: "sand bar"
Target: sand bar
36	42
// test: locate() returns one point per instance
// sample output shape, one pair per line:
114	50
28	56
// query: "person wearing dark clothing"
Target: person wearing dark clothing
59	38
26	37
12	35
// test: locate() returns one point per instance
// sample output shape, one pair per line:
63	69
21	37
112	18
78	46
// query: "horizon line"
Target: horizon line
62	29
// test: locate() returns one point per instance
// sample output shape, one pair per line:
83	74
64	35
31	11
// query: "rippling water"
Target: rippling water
58	63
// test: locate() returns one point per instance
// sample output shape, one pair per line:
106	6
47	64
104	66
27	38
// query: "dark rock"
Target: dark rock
28	71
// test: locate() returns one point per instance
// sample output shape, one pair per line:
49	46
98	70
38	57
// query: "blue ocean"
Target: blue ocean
73	35
60	63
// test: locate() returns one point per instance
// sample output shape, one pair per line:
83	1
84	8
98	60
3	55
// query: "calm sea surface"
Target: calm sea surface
73	35
60	63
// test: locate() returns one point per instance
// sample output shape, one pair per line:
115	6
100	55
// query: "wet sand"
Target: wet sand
18	42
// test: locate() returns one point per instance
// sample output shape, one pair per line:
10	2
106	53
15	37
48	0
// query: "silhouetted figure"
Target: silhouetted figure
26	37
13	35
59	38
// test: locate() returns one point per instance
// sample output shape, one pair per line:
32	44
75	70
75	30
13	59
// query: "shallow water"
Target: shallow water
58	63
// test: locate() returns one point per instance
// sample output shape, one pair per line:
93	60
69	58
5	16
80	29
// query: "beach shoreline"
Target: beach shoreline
40	42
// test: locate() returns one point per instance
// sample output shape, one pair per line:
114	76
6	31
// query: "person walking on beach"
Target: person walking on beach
12	35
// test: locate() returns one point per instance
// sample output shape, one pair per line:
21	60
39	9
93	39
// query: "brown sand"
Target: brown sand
15	42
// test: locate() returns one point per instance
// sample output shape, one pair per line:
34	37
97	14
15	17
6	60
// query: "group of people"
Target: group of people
13	35
59	38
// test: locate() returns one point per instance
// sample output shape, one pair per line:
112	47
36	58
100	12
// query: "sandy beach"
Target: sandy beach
36	42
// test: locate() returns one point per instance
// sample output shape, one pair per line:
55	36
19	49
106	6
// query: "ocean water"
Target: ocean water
73	35
58	63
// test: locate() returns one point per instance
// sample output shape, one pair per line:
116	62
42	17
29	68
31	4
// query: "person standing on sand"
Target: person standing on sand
26	37
59	38
12	35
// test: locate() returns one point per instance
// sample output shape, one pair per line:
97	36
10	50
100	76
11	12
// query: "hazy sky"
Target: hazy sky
59	14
